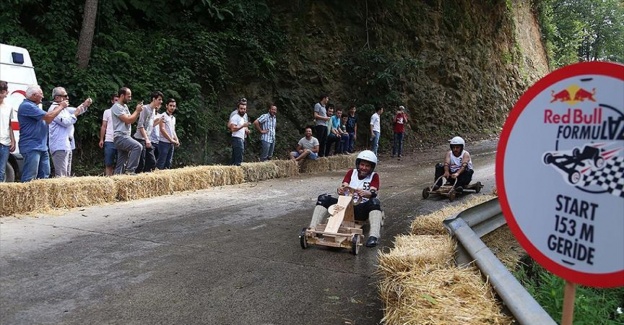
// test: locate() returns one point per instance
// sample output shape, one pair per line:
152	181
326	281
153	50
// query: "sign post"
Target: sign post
560	175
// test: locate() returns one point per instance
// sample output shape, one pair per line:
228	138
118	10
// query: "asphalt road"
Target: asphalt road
226	255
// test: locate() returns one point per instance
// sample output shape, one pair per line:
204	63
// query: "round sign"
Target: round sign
560	173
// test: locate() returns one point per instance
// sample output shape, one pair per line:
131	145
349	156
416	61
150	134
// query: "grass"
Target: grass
592	306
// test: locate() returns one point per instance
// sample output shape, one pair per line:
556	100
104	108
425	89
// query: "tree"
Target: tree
85	42
586	30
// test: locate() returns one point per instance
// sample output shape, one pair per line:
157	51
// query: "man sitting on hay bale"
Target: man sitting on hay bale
366	183
308	147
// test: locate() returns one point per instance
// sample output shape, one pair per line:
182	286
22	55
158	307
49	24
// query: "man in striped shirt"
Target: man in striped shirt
265	124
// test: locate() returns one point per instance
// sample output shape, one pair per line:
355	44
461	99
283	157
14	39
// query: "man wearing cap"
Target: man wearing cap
400	119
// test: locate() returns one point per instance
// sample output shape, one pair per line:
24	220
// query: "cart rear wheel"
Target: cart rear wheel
478	187
548	158
425	193
355	244
302	239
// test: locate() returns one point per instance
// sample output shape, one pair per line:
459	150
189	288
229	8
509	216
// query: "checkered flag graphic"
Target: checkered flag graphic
610	178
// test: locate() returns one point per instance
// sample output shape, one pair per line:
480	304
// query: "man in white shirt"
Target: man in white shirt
106	139
7	141
168	138
239	126
375	129
308	147
61	132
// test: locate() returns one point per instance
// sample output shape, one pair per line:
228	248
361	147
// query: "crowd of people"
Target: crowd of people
47	136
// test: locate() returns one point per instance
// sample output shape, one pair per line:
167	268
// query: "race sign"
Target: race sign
560	173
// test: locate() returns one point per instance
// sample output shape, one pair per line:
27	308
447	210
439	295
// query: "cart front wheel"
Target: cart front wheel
425	193
355	244
575	177
452	194
478	187
302	239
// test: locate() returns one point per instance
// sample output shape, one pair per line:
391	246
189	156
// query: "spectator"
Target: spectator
265	124
238	125
242	100
332	129
145	124
344	136
400	119
375	129
33	141
352	129
7	140
61	129
106	139
308	147
321	118
128	149
155	134
168	138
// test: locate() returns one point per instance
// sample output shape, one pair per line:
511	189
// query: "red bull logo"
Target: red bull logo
572	95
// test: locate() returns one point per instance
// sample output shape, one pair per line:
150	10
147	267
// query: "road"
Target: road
226	255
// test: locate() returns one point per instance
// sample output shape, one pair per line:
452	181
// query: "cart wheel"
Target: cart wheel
425	193
355	244
599	162
478	187
452	195
575	177
302	239
548	158
576	152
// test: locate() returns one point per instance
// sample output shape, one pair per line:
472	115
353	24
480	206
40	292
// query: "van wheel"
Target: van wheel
9	176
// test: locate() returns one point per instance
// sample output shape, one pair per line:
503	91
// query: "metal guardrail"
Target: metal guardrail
467	227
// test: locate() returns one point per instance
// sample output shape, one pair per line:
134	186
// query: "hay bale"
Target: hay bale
341	162
286	168
440	296
144	185
320	165
431	224
190	178
259	171
413	252
72	192
505	246
220	175
24	197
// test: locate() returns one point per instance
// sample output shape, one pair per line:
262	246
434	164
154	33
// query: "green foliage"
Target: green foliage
582	30
592	306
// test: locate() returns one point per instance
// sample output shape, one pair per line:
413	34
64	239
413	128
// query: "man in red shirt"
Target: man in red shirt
400	119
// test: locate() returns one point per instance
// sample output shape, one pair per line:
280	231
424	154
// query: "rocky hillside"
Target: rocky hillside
458	66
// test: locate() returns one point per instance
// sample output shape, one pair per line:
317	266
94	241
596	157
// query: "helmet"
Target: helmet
457	141
366	155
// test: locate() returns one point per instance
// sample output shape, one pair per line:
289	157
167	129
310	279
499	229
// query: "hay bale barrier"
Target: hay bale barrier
39	196
24	197
286	168
73	192
420	283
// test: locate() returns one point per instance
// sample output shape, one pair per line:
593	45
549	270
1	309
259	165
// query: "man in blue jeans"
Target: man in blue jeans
7	141
33	142
239	127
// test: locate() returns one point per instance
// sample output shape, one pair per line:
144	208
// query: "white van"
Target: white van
17	70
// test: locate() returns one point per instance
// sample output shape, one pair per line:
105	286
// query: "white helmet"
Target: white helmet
457	141
366	155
